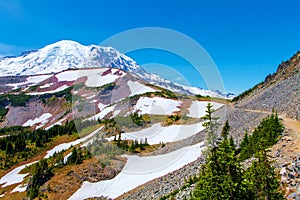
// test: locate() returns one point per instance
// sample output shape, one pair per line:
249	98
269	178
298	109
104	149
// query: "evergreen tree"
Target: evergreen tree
225	130
264	136
211	126
221	176
9	148
231	142
261	179
75	157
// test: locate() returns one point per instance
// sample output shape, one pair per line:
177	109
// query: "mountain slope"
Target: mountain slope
279	91
67	54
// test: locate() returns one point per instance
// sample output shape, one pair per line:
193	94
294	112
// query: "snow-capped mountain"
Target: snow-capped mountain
67	54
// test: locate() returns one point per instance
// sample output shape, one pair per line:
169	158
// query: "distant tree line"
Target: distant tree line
246	93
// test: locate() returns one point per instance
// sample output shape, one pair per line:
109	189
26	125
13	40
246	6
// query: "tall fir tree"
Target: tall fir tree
211	126
261	179
221	176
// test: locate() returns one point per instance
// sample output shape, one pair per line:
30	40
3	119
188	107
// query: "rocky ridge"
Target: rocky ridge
279	91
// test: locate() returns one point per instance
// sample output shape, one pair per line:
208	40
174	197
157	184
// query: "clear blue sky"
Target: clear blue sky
246	39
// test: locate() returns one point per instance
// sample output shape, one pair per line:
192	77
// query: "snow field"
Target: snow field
138	88
95	77
104	112
157	106
20	188
65	146
138	171
43	119
61	88
46	85
56	123
198	108
157	133
32	80
13	176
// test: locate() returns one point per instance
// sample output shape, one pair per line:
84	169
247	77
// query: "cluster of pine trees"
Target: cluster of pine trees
131	145
224	177
40	174
78	155
22	143
264	136
43	170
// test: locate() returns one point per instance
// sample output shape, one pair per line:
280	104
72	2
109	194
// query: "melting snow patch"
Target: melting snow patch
65	146
98	80
138	171
46	85
43	119
56	123
37	79
157	133
14	176
20	188
68	76
138	88
101	106
157	106
198	108
61	88
103	113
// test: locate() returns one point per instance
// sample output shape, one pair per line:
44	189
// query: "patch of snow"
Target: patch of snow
46	85
138	88
16	85
95	77
31	80
198	108
43	119
20	188
138	171
37	79
56	123
101	106
65	146
66	157
68	76
91	97
61	88
157	106
103	113
157	133
98	79
14	176
116	112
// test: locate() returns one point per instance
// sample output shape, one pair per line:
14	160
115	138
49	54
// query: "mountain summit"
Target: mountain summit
68	54
64	55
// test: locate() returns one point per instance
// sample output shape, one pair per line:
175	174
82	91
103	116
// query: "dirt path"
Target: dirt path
287	122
